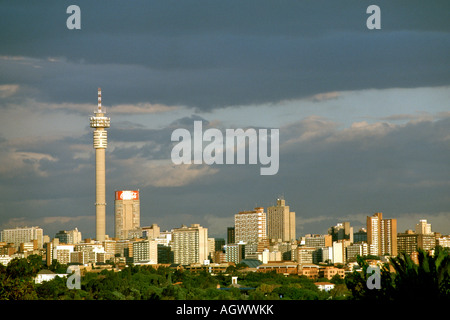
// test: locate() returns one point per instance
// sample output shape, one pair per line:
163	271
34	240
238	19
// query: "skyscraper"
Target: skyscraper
381	235
190	244
231	235
100	122
126	212
280	222
389	237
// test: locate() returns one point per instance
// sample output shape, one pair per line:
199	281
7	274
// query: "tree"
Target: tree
340	292
429	279
336	279
57	267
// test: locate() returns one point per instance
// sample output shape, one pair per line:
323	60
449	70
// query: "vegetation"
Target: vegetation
402	279
146	282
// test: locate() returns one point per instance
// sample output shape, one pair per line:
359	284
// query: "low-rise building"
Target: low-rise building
5	259
47	275
284	267
330	272
311	271
324	286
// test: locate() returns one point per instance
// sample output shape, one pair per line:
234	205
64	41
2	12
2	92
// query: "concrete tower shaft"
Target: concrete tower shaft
100	122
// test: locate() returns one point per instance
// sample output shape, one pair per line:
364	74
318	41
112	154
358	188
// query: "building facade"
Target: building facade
127	213
389	237
356	249
360	236
318	240
151	232
23	235
280	222
231	235
423	227
305	255
72	236
341	231
235	252
409	242
250	226
190	244
381	235
145	250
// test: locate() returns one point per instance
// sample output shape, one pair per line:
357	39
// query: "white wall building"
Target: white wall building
338	252
190	244
145	250
47	275
5	259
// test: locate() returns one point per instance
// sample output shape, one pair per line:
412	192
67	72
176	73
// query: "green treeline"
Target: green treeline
146	282
429	279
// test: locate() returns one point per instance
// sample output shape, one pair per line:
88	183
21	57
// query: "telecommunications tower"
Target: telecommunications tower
100	122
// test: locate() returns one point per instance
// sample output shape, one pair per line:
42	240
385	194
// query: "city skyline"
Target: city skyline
362	114
421	226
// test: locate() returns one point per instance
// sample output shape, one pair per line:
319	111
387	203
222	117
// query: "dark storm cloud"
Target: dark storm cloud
327	173
396	169
209	54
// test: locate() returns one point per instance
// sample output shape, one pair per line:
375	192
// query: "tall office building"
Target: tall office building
389	237
374	233
231	235
381	235
100	122
127	213
190	244
22	235
280	222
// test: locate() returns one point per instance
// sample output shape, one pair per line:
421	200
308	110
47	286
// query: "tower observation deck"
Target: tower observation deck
100	122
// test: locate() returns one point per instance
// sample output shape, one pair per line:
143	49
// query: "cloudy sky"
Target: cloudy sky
363	115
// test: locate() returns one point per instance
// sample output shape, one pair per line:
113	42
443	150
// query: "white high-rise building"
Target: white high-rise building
250	226
190	244
381	235
338	252
22	235
145	250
